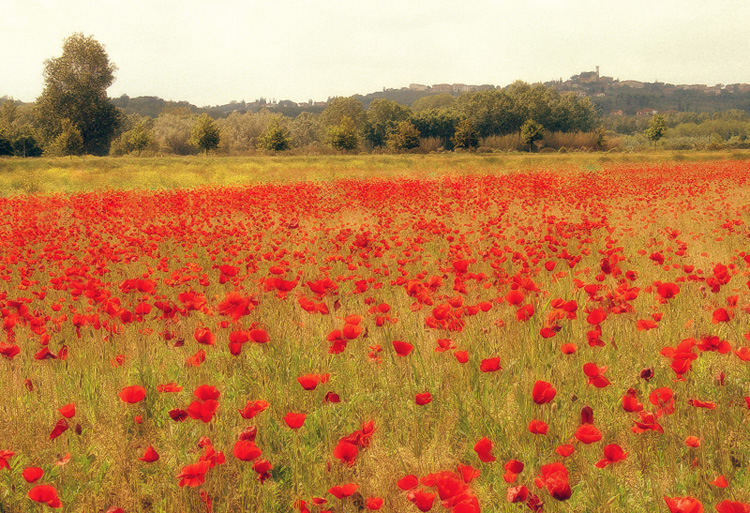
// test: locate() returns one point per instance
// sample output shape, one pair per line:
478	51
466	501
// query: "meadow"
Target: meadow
463	333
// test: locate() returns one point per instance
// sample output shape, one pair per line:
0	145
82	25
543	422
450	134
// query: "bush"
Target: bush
274	138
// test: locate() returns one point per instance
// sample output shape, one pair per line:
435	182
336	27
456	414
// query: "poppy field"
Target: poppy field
572	341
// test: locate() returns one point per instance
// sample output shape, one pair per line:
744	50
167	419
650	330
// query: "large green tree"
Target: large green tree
76	89
205	133
382	118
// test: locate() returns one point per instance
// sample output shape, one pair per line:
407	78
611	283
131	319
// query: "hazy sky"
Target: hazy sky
211	52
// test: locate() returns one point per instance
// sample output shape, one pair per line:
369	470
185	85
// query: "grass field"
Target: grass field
77	174
463	333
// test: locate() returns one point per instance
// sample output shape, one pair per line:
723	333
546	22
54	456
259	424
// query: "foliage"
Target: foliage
344	107
274	138
304	130
656	128
6	148
343	137
76	89
172	132
204	133
440	123
382	118
404	136
433	101
68	142
466	136
531	131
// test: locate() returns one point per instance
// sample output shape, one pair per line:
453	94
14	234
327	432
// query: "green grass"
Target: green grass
77	174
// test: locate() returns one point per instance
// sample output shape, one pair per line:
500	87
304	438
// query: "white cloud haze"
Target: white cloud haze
214	52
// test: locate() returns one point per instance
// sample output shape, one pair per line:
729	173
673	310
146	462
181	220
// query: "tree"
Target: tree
205	134
76	89
139	137
531	131
382	118
26	146
172	131
440	123
466	136
6	148
274	138
341	107
68	142
404	137
343	136
656	128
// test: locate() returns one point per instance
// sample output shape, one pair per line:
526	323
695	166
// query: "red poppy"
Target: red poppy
346	452
374	503
204	336
588	434
344	490
538	427
483	448
683	505
32	474
554	477
133	394
422	499
150	455
194	475
543	392
423	398
59	429
252	408
295	420
490	364
246	450
612	454
408	482
263	469
45	494
402	348
720	482
68	411
727	506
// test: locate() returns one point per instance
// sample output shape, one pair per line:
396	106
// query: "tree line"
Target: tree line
74	115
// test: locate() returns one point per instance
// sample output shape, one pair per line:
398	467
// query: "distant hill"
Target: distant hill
611	97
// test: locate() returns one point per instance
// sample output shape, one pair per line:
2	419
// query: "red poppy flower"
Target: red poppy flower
423	398
374	503
295	420
150	455
346	452
246	450
344	490
543	392
612	454
263	469
68	411
408	482
59	429
194	475
683	504
252	408
133	394
727	506
490	364
588	434
32	474
45	494
483	448
402	348
538	427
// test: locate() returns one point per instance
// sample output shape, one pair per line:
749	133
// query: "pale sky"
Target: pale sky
212	52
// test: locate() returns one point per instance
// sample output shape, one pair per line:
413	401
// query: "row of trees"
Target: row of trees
74	115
